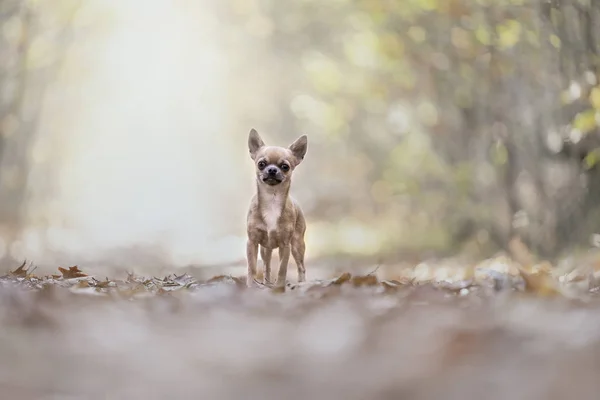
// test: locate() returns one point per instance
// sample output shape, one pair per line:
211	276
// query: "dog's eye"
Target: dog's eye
285	167
261	164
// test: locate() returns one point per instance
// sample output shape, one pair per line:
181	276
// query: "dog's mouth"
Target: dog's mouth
271	180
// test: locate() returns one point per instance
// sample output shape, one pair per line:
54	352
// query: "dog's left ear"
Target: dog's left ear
299	148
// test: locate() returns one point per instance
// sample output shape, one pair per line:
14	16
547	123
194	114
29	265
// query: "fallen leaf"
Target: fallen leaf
366	280
81	284
540	283
343	278
102	284
185	280
20	272
72	272
543	267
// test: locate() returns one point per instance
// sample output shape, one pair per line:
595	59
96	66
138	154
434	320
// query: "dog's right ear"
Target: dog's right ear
254	143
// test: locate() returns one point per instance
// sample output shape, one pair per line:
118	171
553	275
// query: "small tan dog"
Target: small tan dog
275	219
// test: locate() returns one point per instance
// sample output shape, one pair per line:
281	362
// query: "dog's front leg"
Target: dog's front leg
265	254
284	257
252	256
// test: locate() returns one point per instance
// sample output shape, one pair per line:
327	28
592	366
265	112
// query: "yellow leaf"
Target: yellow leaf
592	158
509	33
585	121
499	154
595	98
482	35
540	283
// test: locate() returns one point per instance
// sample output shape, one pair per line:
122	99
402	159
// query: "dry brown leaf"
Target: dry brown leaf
540	283
469	273
366	280
102	284
82	284
20	272
72	272
543	267
343	278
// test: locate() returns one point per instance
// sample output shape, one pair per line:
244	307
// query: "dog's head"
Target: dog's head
275	165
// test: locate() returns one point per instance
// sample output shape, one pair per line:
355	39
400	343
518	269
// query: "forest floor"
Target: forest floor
496	330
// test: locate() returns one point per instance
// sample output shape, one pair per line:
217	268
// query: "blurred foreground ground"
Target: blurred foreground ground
496	331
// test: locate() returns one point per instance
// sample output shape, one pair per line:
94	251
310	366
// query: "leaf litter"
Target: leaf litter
434	331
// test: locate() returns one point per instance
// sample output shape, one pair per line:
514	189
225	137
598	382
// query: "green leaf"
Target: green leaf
509	33
592	158
585	121
595	98
499	154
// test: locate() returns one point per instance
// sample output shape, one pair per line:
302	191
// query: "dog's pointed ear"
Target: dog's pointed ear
299	148
254	143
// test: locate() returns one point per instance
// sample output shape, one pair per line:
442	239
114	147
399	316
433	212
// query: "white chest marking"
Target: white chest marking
271	212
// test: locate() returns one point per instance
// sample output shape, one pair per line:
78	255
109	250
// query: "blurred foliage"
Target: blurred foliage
459	120
437	125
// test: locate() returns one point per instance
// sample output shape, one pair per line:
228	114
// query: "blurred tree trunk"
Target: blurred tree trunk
549	196
15	134
23	88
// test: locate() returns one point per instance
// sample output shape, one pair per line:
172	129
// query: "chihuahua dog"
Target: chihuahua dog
275	219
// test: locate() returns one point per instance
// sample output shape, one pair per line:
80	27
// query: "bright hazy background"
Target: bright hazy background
435	127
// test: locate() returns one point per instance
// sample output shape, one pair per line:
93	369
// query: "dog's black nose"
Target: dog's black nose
272	171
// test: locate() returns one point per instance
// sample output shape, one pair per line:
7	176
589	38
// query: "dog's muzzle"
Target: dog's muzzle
272	176
271	180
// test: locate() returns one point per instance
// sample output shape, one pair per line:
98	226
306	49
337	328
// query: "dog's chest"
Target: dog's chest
271	212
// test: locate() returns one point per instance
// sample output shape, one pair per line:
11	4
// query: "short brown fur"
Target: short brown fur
275	220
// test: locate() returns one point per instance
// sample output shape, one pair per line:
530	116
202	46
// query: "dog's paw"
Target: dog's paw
251	282
279	284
